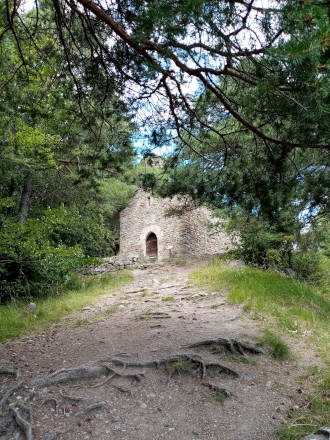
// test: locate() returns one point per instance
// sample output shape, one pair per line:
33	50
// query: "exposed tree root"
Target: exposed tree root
154	315
122	389
72	398
50	400
193	361
6	426
233	346
9	372
95	406
64	376
83	372
104	382
90	372
217	388
25	426
188	363
52	435
8	393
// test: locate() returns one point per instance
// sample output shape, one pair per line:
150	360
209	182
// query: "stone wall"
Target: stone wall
177	235
199	238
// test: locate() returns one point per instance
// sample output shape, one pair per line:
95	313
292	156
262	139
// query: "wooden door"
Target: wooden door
152	245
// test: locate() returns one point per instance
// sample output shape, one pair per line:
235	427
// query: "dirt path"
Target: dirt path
151	319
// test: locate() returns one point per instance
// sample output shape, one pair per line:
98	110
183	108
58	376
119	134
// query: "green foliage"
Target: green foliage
183	366
70	227
220	397
14	322
291	305
54	151
279	349
258	241
273	258
168	299
29	146
115	195
34	259
315	411
150	178
307	266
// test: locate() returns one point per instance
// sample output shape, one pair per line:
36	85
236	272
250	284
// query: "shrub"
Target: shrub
279	349
259	243
307	266
273	258
68	226
31	263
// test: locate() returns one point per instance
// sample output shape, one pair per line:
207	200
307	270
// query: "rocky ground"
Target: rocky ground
126	371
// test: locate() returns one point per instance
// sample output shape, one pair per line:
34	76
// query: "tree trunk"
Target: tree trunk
25	198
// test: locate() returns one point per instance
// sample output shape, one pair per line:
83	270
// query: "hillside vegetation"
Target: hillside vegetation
284	308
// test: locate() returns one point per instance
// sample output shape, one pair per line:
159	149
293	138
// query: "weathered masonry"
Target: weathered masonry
165	228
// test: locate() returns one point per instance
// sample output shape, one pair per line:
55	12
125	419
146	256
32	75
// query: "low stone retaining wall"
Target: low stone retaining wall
112	264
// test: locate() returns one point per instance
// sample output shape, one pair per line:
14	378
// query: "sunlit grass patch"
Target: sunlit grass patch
279	349
179	261
14	322
82	322
168	299
315	412
294	308
145	292
112	309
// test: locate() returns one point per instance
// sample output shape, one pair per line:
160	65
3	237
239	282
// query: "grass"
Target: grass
291	307
168	299
279	349
315	413
179	261
220	397
146	316
166	280
145	292
183	366
112	309
14	322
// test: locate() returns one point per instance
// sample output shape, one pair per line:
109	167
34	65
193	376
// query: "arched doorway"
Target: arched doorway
151	245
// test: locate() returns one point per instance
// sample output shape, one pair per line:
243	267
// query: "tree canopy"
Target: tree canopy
238	89
159	52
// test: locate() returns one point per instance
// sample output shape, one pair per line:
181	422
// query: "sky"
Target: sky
190	87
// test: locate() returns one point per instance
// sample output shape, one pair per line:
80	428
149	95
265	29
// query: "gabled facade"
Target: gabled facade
165	228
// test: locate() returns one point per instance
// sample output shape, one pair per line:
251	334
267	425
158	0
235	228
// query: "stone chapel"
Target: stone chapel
164	228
